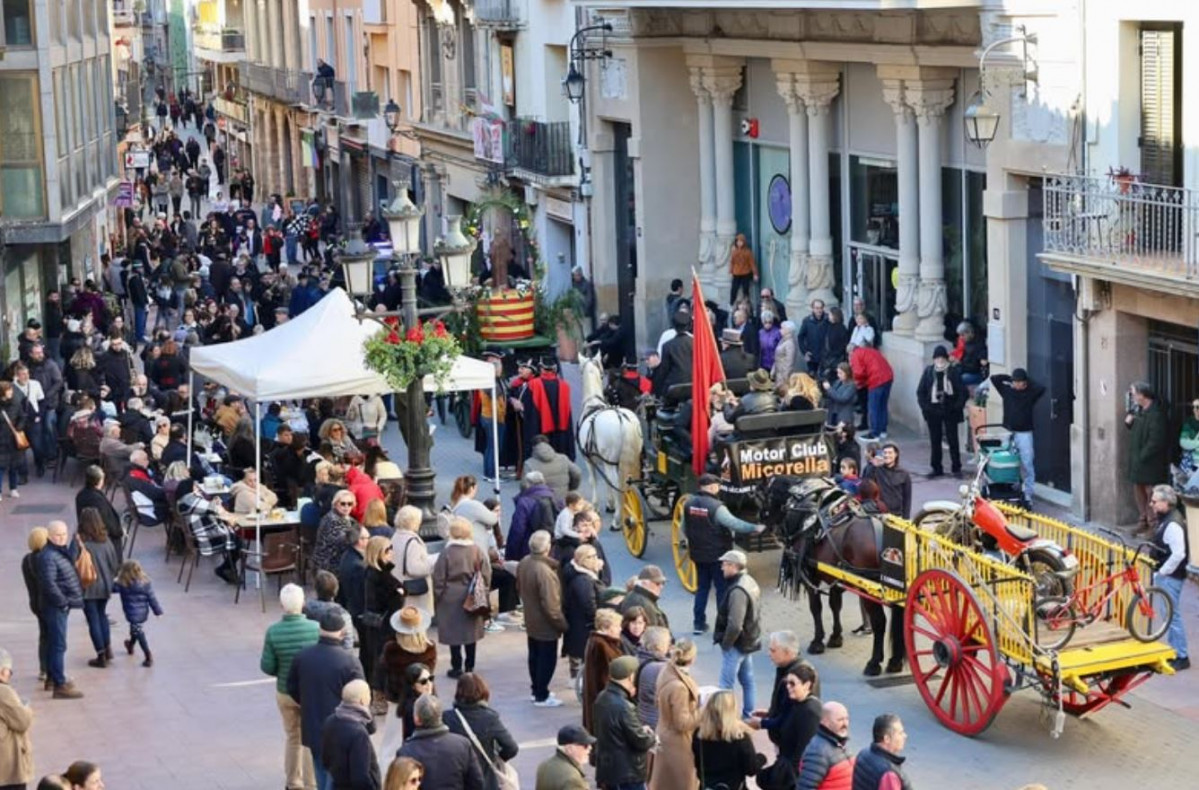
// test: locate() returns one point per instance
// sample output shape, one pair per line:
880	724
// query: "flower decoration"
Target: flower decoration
403	356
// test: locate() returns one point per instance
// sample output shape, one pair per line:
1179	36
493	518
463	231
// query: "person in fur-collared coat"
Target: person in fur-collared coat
678	718
603	648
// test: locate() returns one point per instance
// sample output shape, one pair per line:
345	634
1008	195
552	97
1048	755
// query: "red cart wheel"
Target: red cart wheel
952	652
1098	695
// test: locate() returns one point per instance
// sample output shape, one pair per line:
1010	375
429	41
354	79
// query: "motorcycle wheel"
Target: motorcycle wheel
947	524
1046	568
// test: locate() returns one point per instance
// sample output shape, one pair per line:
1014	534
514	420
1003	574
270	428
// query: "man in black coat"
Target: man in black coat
942	395
622	739
880	765
675	367
60	593
346	741
318	675
115	367
451	762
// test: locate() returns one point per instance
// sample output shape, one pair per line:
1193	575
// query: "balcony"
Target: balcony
124	17
343	99
220	41
540	148
499	14
289	87
1120	229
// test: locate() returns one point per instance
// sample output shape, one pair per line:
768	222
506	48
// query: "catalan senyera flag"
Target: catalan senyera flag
706	370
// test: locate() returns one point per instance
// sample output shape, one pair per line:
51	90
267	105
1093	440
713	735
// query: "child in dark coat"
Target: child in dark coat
137	599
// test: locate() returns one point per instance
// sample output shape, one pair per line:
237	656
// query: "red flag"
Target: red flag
706	370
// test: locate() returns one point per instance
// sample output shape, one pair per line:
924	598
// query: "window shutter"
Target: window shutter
1160	111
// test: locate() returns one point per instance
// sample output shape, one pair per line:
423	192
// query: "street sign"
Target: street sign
124	195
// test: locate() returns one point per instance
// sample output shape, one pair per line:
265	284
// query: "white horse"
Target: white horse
609	437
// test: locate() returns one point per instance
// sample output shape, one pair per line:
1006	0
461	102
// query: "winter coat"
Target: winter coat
540	590
1149	447
840	399
10	456
580	598
785	354
366	416
16	747
825	764
811	338
382	593
768	340
60	588
315	680
741	259
92	497
562	475
411	560
490	731
649	669
346	749
870	368
640	596
137	601
601	651
332	538
622	740
561	772
726	763
564	551
393	663
451	762
482	520
106	563
678	719
32	585
283	641
535	509
364	489
451	577
895	488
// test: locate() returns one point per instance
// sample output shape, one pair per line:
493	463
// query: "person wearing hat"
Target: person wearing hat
550	398
647	589
623	741
284	640
739	628
484	412
318	674
941	396
522	422
630	386
411	646
761	398
564	769
676	363
708	525
733	357
1020	395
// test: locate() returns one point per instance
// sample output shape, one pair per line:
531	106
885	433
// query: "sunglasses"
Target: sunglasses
343	503
423	681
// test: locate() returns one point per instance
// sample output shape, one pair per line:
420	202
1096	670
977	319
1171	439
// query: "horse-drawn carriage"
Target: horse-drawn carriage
763	446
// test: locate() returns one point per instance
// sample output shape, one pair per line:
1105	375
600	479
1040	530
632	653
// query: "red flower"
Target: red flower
415	335
439	330
393	338
392	321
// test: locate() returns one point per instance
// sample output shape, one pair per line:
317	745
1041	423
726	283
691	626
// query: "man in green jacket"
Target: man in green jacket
1148	451
283	640
564	770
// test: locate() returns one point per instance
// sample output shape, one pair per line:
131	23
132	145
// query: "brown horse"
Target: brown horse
822	524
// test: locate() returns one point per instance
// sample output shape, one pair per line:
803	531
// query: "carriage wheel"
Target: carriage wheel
632	521
1097	696
952	651
678	542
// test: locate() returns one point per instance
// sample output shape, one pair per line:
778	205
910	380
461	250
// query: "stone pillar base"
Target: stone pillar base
905	323
821	280
797	285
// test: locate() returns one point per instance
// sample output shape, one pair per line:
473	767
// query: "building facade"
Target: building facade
58	168
219	34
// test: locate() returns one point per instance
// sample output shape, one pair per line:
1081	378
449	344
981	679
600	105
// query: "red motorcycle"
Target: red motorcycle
977	524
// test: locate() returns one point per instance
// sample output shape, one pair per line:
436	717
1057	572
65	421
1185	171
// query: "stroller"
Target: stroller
1001	461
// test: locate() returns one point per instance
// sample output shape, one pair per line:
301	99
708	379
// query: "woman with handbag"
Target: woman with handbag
461	578
97	564
412	567
13	441
678	718
382	598
722	747
479	723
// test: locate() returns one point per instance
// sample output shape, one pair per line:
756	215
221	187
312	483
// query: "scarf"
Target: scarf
942	386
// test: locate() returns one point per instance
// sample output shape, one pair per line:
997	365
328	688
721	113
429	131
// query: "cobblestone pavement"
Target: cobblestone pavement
205	717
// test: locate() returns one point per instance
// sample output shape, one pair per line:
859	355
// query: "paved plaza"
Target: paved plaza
205	717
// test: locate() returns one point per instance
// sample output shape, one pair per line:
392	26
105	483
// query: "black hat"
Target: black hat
332	622
493	353
707	479
33	323
940	353
526	362
574	734
630	362
549	363
1019	374
682	319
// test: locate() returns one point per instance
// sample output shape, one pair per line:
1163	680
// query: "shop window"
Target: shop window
21	179
964	246
874	202
18	23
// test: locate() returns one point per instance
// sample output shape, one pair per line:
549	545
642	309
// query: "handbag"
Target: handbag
781	775
703	774
506	777
478	596
85	566
18	436
412	586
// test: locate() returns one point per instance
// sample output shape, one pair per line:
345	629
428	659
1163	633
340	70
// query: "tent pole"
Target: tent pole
257	505
191	393
495	439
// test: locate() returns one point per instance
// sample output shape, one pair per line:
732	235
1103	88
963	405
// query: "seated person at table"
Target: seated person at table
247	491
761	398
162	436
334	432
114	453
135	424
176	446
242	453
212	527
147	495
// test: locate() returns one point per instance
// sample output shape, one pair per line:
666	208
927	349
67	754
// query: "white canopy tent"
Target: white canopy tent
318	354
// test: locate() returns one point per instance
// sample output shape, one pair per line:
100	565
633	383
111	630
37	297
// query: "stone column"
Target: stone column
707	179
929	98
909	199
722	81
797	117
817	84
291	57
274	29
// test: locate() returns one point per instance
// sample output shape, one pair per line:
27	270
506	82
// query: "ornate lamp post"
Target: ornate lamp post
455	251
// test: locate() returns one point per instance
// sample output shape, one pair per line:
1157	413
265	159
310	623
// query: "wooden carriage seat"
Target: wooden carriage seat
781	423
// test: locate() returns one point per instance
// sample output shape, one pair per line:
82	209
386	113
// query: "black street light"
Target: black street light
391	114
575	82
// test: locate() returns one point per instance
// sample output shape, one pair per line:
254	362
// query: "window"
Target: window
874	202
351	54
18	23
76	114
73	19
60	112
21	178
89	17
466	44
313	49
964	245
330	42
88	108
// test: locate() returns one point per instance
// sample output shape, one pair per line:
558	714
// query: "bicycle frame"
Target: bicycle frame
1090	612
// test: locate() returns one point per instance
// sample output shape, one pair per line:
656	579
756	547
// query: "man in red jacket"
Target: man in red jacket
872	371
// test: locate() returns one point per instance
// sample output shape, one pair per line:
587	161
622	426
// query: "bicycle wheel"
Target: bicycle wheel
1149	616
1057	618
462	416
